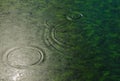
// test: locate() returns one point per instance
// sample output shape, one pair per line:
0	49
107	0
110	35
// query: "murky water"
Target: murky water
24	55
57	40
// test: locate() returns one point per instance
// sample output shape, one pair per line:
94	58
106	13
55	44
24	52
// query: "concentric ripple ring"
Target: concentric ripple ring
54	37
23	57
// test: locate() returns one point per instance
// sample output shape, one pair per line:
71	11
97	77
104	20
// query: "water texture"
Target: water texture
59	40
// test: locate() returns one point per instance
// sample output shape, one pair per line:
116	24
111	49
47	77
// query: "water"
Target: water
70	40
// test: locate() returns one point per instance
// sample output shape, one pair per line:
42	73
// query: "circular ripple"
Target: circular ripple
54	36
58	35
21	57
74	16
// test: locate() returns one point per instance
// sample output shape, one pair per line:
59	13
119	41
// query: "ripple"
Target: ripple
23	57
54	37
74	16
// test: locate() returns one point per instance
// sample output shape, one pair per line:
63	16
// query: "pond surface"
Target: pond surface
59	40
